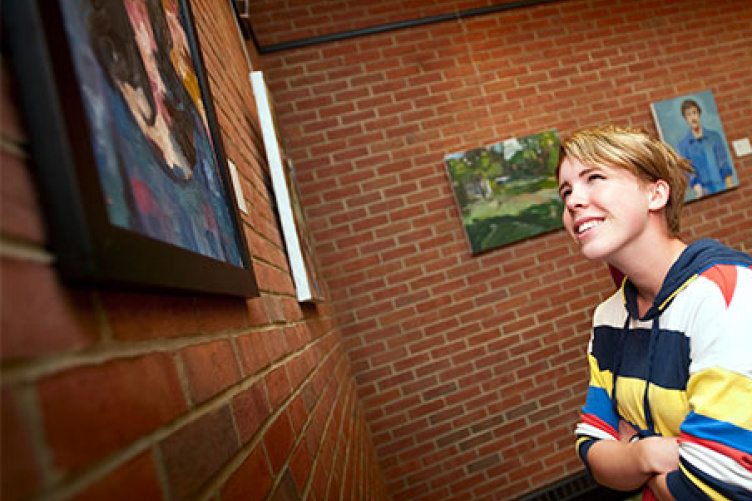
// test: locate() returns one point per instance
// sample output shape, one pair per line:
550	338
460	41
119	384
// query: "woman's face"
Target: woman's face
606	208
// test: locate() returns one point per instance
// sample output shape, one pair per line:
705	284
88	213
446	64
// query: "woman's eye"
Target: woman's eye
564	194
593	177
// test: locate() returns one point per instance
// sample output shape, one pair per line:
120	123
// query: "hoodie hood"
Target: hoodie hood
696	258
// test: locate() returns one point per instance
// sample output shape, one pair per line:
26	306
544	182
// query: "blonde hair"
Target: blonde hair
636	151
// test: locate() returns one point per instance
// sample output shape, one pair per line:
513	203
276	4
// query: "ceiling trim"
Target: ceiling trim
382	28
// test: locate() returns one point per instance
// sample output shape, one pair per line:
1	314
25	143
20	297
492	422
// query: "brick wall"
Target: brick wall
110	394
472	369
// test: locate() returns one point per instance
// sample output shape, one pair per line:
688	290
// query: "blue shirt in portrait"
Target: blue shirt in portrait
709	160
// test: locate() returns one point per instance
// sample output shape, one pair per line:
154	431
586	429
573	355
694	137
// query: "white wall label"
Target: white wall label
742	147
236	185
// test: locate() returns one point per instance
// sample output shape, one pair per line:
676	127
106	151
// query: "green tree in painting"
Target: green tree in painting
507	192
534	159
471	173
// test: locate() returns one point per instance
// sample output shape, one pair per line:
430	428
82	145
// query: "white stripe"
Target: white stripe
591	431
716	465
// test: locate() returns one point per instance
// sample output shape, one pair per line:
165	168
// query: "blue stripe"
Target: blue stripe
682	487
605	346
732	263
671	367
583	449
722	432
599	404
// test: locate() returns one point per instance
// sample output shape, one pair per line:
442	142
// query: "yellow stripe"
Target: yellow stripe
669	408
668	300
599	378
711	493
677	291
722	395
630	395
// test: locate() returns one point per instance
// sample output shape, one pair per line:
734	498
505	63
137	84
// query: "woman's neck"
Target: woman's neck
648	270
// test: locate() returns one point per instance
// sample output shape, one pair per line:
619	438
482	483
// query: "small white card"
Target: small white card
236	185
742	147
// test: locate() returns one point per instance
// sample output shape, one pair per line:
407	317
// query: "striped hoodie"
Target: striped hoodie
682	370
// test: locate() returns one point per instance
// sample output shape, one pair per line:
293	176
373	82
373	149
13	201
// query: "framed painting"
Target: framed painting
507	191
692	126
297	239
125	145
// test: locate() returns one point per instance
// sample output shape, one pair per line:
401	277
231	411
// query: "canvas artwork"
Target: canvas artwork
292	218
315	291
507	191
126	104
154	152
692	126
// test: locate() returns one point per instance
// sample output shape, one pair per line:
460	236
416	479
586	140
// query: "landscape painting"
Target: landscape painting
507	192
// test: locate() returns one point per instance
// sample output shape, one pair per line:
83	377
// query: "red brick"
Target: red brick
136	479
298	414
250	408
210	368
300	465
279	440
278	386
91	411
217	314
143	316
319	483
214	436
299	367
20	212
255	351
41	316
20	479
252	481
273	279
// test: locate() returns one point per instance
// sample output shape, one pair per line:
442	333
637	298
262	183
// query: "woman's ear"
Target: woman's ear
659	195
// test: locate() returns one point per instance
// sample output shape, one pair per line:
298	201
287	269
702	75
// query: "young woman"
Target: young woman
669	405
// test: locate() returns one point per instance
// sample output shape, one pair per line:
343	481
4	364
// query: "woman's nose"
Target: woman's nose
576	198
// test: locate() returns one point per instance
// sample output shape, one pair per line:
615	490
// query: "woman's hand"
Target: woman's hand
656	455
659	488
627	465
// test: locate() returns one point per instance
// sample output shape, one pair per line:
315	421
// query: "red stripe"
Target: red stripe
740	457
724	276
597	422
647	494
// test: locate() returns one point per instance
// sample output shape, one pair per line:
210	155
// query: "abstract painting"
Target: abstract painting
139	168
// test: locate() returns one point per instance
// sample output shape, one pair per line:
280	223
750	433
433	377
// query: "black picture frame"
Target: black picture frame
126	239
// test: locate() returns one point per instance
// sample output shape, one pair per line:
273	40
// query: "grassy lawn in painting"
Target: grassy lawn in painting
495	223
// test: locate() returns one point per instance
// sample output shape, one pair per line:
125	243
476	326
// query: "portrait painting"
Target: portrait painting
138	131
692	126
507	191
